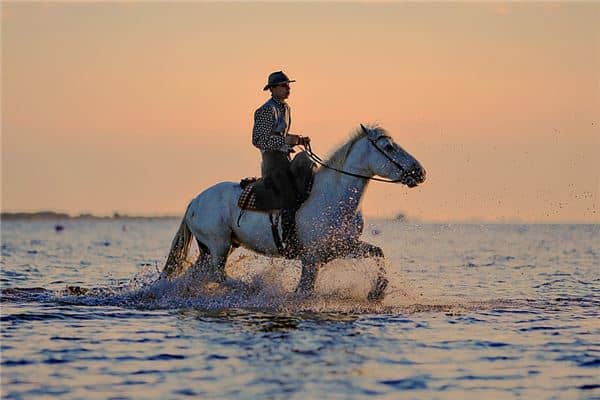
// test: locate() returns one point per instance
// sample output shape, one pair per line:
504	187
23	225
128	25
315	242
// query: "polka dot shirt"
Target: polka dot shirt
264	136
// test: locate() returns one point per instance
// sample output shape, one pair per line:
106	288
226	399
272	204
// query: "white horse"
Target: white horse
329	223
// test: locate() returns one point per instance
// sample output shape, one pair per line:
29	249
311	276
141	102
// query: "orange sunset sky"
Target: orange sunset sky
137	107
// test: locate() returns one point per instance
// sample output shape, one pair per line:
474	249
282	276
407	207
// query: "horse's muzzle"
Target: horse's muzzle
414	177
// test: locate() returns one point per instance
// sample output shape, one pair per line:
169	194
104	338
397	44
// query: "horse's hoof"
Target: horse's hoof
378	292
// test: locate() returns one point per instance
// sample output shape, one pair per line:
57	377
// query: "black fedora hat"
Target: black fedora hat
277	78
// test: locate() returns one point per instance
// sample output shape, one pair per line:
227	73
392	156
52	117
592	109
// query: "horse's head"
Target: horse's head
391	161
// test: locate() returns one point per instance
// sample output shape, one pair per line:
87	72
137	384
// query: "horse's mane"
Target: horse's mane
338	158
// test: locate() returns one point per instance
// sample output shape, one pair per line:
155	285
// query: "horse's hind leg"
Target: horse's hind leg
212	258
203	256
214	240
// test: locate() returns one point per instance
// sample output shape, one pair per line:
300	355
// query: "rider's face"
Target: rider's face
281	91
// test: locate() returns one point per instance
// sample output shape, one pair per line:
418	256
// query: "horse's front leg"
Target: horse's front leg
307	278
311	260
362	249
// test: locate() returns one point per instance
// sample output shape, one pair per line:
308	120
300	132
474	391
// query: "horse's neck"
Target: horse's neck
338	194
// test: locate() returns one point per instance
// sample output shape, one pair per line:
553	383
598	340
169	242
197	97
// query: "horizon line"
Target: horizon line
401	217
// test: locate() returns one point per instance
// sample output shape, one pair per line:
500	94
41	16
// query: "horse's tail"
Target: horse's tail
177	258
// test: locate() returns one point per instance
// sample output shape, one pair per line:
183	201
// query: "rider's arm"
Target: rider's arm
261	134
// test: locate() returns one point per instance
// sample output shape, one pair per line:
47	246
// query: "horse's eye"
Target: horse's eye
389	147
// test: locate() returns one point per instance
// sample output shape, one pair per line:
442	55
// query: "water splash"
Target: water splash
258	283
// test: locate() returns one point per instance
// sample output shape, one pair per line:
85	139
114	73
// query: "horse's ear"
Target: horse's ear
369	132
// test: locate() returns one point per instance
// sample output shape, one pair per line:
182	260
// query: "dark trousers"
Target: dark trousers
277	175
289	181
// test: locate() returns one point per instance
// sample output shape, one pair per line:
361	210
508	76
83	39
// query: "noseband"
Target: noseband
374	141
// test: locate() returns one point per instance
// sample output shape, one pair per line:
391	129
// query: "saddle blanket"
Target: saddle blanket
247	200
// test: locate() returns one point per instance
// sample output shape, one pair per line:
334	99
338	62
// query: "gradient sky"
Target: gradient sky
137	107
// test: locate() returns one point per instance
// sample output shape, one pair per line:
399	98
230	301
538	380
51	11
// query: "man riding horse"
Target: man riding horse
327	202
271	135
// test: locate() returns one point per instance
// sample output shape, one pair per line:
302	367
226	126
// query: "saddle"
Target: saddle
261	195
258	195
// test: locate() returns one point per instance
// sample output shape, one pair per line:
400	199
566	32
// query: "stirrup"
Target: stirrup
274	218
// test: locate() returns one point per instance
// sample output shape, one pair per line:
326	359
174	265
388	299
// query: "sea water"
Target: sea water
471	312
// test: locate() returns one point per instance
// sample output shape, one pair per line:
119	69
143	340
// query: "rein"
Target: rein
320	161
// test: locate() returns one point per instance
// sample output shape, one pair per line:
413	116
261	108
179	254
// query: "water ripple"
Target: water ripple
412	383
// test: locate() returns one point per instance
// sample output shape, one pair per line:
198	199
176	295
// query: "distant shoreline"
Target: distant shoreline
52	215
400	218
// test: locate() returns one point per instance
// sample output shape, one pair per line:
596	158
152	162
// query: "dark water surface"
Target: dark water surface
473	311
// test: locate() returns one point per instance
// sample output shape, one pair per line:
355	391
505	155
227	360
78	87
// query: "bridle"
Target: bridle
373	141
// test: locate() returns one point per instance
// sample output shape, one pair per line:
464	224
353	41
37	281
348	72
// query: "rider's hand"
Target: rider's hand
304	140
